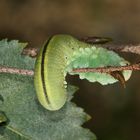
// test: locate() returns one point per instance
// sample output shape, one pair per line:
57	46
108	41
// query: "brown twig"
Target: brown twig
16	71
124	48
32	52
108	69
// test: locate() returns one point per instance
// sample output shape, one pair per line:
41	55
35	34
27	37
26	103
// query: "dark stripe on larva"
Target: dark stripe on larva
42	70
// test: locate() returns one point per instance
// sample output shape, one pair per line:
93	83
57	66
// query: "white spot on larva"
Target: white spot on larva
65	83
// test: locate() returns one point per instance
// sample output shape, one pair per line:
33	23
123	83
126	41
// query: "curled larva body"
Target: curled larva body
49	71
59	56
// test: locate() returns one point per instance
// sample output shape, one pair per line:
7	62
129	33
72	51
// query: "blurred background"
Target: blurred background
115	111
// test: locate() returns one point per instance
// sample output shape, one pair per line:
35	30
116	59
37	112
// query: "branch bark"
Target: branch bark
11	70
108	69
124	48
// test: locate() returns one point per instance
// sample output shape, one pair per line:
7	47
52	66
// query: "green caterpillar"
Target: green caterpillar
59	55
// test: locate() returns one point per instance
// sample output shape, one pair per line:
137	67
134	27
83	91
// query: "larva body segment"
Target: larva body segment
49	71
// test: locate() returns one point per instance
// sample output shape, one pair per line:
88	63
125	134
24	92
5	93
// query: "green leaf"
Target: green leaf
3	118
93	57
26	118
